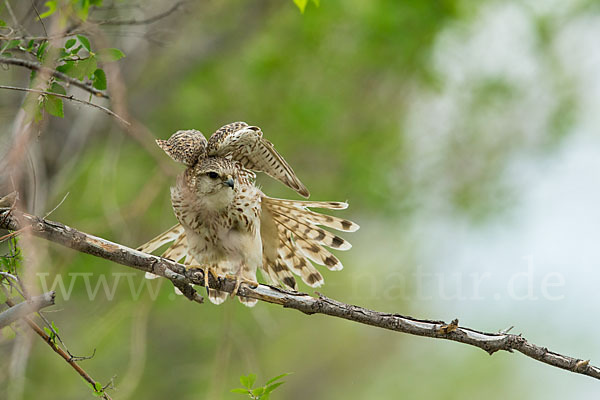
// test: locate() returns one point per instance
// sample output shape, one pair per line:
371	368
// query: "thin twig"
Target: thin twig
35	66
11	276
490	342
12	234
60	351
10	11
25	308
146	21
69	97
38	16
58	205
69	32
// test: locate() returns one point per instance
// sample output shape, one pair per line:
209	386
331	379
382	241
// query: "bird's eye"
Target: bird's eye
213	175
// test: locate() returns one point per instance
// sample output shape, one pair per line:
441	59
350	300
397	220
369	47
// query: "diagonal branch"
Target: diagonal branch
25	308
68	97
184	278
35	66
68	358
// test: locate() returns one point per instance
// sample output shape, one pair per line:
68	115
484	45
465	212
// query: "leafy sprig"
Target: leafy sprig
261	392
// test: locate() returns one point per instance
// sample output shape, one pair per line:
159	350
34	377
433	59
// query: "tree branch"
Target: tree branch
68	97
35	66
69	359
146	21
24	308
182	277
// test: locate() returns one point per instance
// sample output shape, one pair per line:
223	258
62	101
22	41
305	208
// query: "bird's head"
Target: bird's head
213	179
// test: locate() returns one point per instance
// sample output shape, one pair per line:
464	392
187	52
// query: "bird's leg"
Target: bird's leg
206	269
209	269
240	278
238	282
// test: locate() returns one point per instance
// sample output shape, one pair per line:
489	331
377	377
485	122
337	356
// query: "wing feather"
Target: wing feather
186	147
170	235
246	144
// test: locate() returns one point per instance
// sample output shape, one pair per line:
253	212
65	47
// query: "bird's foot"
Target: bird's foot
238	281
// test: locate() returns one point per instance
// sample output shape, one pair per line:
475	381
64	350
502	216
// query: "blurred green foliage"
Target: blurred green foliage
334	88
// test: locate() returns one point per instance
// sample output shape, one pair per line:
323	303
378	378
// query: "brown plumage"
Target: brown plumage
228	225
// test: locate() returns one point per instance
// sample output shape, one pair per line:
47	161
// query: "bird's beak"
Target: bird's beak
229	181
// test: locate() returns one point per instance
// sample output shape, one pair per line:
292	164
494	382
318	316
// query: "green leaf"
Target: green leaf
278	377
41	51
66	67
99	79
30	45
70	43
2	23
51	9
109	55
11	44
316	2
301	4
265	396
97	388
87	66
258	391
273	386
62	54
75	50
240	390
79	69
57	88
244	381
54	106
251	379
85	42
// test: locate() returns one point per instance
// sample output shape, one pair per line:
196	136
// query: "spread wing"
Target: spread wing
185	147
246	144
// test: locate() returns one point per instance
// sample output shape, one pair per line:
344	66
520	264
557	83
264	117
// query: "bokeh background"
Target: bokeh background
463	134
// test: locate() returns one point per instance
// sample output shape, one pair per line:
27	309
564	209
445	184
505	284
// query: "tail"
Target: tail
247	301
216	296
292	239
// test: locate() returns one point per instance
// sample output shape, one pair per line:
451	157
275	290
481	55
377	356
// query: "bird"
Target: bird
230	227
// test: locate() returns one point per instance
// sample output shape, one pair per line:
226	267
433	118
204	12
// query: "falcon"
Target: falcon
230	227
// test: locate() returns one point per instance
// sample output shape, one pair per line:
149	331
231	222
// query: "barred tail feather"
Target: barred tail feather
330	205
301	266
296	221
301	240
216	296
329	221
278	273
247	301
310	247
